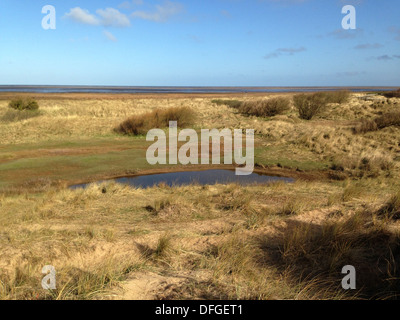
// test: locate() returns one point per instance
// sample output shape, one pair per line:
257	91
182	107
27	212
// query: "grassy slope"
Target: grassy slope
194	242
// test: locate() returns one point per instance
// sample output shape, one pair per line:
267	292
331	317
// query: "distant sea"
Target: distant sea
113	89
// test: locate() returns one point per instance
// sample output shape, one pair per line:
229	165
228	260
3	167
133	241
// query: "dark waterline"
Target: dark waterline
207	177
149	90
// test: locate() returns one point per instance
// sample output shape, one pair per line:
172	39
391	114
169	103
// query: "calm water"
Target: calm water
207	177
114	89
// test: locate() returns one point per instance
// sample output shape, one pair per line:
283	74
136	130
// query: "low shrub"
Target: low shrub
24	104
340	96
158	118
310	105
19	115
265	108
392	94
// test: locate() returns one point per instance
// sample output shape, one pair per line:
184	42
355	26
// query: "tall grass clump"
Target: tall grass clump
158	118
385	120
310	105
230	103
391	208
23	104
265	108
163	245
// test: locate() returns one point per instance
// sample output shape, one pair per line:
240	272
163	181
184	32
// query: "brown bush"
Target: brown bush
388	119
158	118
310	105
24	104
265	108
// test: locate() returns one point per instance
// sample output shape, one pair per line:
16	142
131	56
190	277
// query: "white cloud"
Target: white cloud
80	15
109	36
108	17
111	17
162	12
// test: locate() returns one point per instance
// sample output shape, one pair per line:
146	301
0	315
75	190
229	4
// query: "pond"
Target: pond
206	177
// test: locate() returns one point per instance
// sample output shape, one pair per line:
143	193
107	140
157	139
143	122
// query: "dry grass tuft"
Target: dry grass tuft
265	108
321	251
158	118
164	246
391	209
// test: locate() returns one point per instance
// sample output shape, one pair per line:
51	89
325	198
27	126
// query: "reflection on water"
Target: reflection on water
206	177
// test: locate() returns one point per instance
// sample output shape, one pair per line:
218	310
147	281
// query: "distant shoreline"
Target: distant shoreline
178	90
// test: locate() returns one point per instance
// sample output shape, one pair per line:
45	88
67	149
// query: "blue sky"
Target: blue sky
200	43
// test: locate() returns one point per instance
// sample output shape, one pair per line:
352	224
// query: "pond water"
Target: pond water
206	177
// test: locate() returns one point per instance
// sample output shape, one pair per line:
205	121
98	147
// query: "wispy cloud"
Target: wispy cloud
396	31
284	51
128	5
109	36
108	17
386	57
346	34
162	12
350	73
194	38
368	46
226	13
